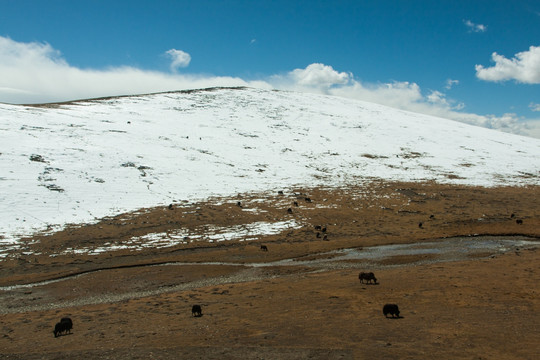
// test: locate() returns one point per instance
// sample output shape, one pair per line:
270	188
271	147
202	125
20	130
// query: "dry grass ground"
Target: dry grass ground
481	307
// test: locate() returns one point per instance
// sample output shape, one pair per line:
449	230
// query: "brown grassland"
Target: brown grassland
483	305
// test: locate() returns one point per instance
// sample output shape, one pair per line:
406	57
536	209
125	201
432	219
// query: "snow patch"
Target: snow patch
210	234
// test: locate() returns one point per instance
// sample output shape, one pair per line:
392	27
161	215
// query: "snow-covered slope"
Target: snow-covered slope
81	161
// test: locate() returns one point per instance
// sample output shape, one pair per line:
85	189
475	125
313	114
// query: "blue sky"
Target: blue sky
472	61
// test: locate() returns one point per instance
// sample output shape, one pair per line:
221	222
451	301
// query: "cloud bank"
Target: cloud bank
37	73
524	67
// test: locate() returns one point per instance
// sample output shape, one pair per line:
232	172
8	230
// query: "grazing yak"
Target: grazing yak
64	326
196	310
289	210
368	277
391	309
264	248
519	222
67	321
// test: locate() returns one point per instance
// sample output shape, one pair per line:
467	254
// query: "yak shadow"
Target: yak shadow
369	284
394	317
60	335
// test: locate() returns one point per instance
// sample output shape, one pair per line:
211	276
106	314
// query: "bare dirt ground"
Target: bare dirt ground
482	305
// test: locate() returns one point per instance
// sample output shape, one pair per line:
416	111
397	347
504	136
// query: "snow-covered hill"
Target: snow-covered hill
81	161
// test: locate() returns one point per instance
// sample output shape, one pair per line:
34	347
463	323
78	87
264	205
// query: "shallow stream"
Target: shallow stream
451	249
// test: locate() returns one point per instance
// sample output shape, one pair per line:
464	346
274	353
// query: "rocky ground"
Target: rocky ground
135	302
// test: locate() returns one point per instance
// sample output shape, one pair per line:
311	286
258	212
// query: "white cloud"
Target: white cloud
317	76
459	106
534	107
395	94
450	83
524	67
437	97
533	128
179	59
475	27
14	54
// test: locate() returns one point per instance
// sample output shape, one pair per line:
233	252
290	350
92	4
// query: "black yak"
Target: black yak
264	248
68	322
391	309
64	326
368	277
196	310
